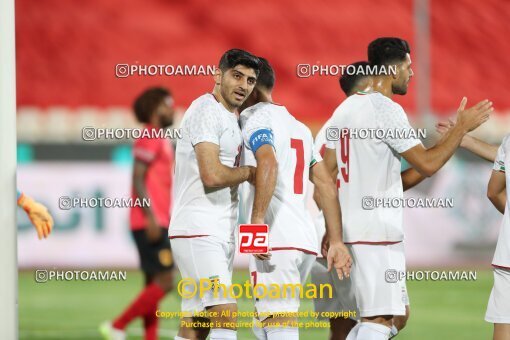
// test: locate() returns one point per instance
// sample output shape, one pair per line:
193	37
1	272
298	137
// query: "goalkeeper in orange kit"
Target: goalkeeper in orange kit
38	214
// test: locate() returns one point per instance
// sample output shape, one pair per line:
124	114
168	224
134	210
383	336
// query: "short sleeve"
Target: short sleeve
499	163
204	124
316	156
256	129
327	136
146	149
393	120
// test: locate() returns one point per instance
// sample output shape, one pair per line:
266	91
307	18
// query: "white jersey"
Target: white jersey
502	253
290	223
199	210
369	168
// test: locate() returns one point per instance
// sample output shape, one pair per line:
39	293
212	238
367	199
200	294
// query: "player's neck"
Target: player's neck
383	86
265	98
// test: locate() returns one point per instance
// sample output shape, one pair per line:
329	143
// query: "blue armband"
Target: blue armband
259	138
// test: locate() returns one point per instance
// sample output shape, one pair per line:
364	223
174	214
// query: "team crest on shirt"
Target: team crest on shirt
215	282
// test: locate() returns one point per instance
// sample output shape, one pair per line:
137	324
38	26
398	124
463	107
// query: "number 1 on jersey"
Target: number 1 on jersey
300	164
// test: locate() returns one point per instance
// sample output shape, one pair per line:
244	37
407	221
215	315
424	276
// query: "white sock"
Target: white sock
394	332
353	334
260	333
373	331
280	333
222	334
179	338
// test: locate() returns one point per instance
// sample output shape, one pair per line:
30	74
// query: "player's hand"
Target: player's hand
338	257
325	245
38	215
153	231
444	126
253	174
476	115
263	257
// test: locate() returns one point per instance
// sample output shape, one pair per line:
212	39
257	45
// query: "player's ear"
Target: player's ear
217	76
396	75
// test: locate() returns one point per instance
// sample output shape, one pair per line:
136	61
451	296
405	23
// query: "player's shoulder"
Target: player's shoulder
258	113
303	129
380	101
206	102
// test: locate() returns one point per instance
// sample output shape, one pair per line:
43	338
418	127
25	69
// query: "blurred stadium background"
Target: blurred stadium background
66	56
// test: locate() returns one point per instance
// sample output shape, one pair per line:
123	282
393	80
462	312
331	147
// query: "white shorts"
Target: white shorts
284	267
498	308
343	293
203	261
375	272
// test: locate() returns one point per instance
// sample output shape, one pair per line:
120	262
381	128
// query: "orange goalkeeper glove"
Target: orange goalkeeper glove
38	214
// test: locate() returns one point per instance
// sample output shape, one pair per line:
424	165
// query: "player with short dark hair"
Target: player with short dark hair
343	294
355	82
207	174
152	180
282	149
374	236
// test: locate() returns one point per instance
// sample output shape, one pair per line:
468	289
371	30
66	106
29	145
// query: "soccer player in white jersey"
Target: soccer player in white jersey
343	294
207	175
282	149
351	84
498	308
370	169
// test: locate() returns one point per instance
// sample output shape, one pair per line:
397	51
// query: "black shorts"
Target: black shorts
154	257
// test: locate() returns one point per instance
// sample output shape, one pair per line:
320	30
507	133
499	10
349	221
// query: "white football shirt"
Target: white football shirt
502	253
199	210
290	223
369	169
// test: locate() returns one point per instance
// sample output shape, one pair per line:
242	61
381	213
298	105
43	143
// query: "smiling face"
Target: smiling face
236	84
402	77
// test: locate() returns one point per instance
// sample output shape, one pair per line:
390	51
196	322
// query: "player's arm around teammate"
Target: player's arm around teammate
216	175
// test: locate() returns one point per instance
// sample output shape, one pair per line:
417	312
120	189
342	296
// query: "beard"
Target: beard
166	121
399	89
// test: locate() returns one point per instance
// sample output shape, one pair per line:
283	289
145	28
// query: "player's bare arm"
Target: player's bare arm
470	143
139	172
410	178
338	256
329	161
265	183
496	190
216	175
428	161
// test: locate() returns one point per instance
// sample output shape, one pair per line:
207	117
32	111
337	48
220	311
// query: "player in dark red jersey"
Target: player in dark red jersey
152	179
